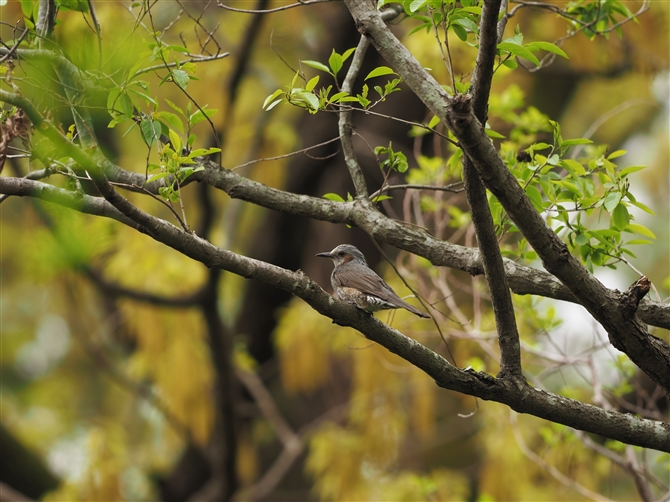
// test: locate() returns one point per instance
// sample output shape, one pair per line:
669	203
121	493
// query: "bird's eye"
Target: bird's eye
341	253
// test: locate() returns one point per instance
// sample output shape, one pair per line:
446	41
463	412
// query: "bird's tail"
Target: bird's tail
413	310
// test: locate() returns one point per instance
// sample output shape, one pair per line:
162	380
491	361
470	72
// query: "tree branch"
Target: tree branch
268	11
501	298
344	123
46	19
292	442
88	204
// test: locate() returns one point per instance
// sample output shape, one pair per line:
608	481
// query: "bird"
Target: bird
357	284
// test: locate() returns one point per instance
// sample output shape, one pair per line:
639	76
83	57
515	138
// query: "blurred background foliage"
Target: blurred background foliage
110	393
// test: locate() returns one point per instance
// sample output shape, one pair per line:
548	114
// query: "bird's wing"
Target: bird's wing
368	282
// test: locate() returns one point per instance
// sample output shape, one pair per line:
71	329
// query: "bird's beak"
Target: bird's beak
324	255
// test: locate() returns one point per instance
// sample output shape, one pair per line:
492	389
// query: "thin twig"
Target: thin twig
448	188
14	47
345	125
555	473
608	115
397	119
266	159
136	188
172	65
268	11
446	58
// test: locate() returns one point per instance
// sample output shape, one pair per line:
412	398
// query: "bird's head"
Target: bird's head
344	253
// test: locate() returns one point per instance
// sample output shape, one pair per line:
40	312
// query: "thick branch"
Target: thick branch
46	19
79	202
501	298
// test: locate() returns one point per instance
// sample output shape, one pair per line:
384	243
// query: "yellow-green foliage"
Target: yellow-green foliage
170	346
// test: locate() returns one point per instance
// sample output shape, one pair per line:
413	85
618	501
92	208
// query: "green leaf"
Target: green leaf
338	96
272	97
639	241
517	39
172	120
611	201
576	141
198	116
200	152
517	50
151	131
620	216
181	78
76	5
492	134
112	97
147	99
333	196
175	140
460	32
569	185
631	169
535	197
126	105
348	53
273	104
27	8
416	5
174	107
434	121
553	160
335	62
379	71
473	10
176	48
424	26
466	23
549	47
348	99
316	65
645	208
574	167
642	230
115	121
581	239
310	99
615	154
312	83
380	198
158	176
510	63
